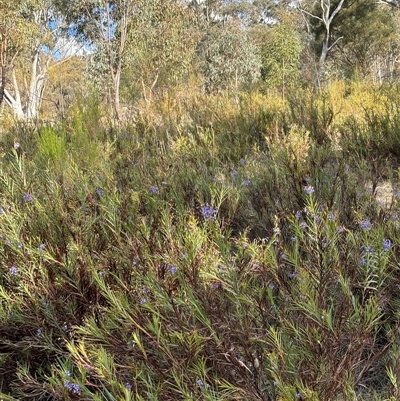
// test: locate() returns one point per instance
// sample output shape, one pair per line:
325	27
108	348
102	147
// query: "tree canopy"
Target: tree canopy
146	46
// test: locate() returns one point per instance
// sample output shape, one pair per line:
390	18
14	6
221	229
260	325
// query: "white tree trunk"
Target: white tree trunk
29	108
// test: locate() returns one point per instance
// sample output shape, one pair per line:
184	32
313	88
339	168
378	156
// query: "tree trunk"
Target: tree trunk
3	83
324	54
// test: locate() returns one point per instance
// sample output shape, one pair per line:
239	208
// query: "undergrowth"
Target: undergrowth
246	255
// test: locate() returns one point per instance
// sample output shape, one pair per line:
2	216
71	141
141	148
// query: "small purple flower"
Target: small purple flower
208	212
246	183
234	173
39	332
368	249
14	271
102	273
100	191
387	245
128	385
366	225
277	230
153	190
142	301
316	218
298	395
202	385
72	387
303	224
173	269
16	145
242	161
298	215
331	216
28	197
42	247
309	190
363	262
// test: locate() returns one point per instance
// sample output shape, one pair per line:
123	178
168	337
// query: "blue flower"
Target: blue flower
128	385
142	301
303	224
367	249
16	145
366	225
173	269
202	385
153	190
331	216
316	218
387	244
14	271
99	191
208	212
72	387
27	197
246	183
309	190
234	173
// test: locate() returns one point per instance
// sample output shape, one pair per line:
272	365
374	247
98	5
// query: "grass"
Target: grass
242	256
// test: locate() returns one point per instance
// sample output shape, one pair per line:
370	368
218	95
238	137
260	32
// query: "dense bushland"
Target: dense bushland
214	251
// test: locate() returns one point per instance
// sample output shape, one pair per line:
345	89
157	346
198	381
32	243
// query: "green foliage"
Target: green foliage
363	30
228	58
281	55
51	146
163	264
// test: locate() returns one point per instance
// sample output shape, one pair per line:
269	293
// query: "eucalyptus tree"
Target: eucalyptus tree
161	46
139	35
323	14
13	28
229	58
369	34
281	51
105	26
352	33
29	39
